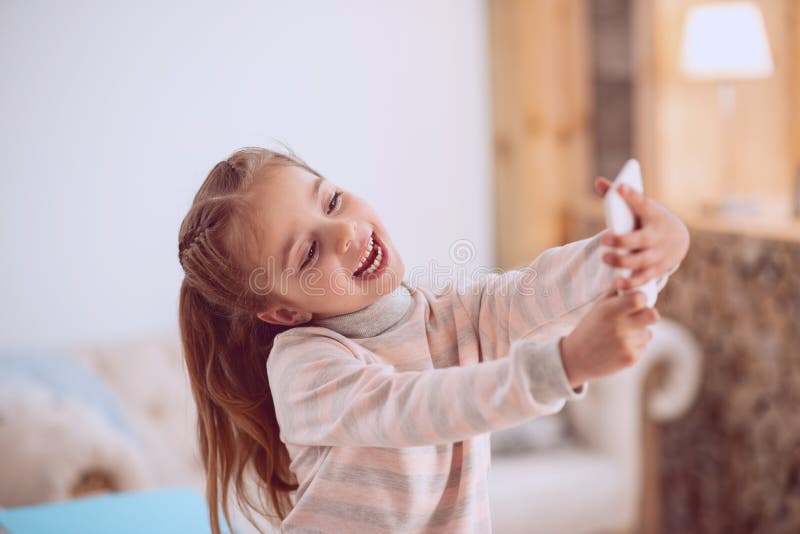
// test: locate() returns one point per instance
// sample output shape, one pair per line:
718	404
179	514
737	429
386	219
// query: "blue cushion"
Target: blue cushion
154	512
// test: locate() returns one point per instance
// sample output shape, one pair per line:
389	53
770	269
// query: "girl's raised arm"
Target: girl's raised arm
508	306
325	395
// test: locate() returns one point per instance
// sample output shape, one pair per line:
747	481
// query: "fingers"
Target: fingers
631	241
629	303
635	260
643	317
636	200
640	277
640	337
618	284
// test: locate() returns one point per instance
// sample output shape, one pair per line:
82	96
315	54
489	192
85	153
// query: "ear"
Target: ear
284	316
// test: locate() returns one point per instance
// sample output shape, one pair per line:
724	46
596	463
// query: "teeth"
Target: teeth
366	254
375	263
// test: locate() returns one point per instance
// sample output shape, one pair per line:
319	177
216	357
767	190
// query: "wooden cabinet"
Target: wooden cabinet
559	71
540	107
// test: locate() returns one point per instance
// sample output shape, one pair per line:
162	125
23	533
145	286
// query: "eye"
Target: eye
310	255
335	201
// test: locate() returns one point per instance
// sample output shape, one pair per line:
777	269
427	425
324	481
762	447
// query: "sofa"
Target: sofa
592	483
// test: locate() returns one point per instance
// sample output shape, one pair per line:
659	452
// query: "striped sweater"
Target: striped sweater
386	411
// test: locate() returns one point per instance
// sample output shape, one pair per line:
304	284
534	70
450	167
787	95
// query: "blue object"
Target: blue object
172	511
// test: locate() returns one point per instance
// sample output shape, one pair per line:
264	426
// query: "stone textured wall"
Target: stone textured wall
733	463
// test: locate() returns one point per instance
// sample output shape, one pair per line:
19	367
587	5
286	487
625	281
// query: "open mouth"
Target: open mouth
373	261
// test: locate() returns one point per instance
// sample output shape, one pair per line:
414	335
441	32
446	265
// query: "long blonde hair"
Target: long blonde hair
226	346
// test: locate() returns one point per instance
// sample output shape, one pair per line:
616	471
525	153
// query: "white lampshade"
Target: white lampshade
725	41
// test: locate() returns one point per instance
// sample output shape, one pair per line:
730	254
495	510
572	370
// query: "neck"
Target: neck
372	320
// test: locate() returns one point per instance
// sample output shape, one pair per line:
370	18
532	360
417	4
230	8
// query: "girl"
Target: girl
318	369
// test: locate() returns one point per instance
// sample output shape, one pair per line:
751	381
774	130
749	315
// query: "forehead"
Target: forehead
283	200
284	179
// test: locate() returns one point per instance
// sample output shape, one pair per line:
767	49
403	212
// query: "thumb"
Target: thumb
601	186
616	285
629	302
638	203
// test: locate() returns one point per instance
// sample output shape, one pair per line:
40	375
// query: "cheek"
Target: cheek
333	274
398	266
312	278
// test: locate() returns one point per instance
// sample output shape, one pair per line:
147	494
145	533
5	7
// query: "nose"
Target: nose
345	235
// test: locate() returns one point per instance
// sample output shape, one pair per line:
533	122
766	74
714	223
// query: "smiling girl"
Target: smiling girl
356	402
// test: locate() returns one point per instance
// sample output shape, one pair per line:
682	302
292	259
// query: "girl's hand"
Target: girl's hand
658	243
611	336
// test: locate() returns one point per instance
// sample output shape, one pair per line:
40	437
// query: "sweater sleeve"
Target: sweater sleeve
325	395
556	286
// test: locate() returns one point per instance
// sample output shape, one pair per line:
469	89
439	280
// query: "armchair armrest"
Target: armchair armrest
611	419
614	403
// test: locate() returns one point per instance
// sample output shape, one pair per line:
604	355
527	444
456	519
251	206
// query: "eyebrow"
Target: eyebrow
287	247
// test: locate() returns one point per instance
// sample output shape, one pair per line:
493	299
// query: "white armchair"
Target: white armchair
598	486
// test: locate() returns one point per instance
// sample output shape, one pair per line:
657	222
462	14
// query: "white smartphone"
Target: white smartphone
620	219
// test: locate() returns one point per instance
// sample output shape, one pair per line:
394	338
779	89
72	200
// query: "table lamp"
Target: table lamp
726	42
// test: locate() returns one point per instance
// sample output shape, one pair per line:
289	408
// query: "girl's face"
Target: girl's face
327	250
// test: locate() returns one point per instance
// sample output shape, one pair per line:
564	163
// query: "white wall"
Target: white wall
112	114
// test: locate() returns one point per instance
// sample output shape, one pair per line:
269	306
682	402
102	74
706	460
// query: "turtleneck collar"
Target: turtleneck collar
375	318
